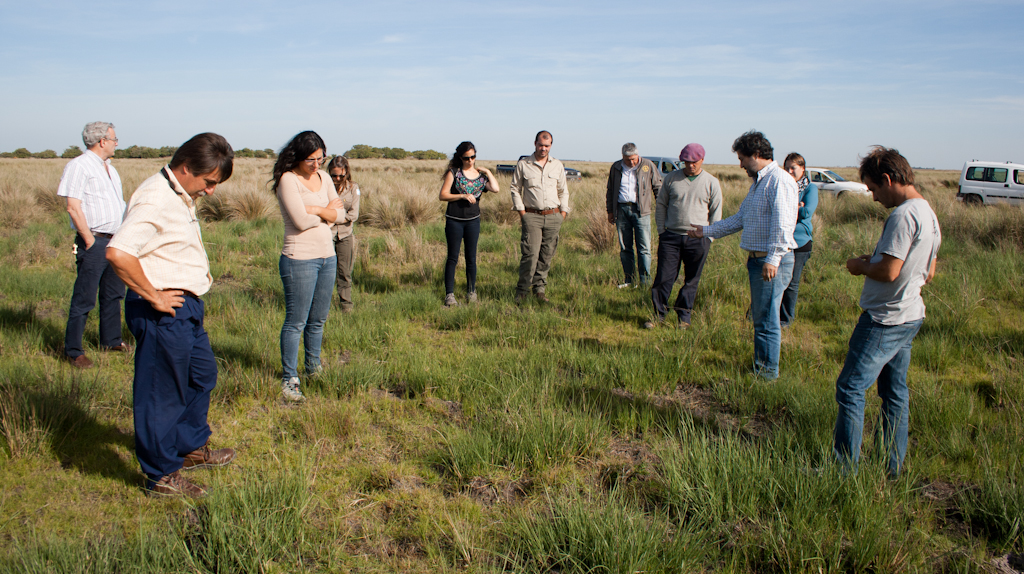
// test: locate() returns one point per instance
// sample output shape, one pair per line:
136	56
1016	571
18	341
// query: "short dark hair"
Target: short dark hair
205	153
303	145
543	133
882	161
795	158
753	144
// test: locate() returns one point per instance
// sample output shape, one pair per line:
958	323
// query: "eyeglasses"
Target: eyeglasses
468	157
110	139
315	160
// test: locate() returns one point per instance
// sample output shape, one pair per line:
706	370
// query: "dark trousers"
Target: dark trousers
174	373
674	249
95	275
455	232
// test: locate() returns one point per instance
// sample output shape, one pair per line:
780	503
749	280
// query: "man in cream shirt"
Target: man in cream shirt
541	196
159	253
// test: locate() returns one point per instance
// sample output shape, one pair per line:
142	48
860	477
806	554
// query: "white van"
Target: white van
991	182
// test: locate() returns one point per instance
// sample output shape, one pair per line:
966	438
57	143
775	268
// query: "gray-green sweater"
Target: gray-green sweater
683	204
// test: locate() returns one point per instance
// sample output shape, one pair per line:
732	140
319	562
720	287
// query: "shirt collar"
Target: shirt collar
177	186
764	170
95	156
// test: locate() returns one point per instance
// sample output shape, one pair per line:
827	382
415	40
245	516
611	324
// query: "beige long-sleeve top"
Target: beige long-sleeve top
306	236
539	187
350	196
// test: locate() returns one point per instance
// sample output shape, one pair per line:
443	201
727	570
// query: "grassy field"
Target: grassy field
494	438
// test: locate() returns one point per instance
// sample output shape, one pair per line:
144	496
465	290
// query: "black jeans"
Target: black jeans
94	275
456	231
674	249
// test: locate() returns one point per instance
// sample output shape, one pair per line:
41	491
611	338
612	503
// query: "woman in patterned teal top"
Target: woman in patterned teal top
464	185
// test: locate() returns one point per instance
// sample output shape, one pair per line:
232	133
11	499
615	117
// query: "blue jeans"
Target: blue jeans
765	298
877	352
787	313
633	226
308	286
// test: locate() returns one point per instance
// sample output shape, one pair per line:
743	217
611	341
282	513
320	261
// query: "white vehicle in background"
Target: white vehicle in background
988	182
834	183
666	165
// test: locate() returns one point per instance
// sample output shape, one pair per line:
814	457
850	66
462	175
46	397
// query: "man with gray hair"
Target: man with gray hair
95	202
633	184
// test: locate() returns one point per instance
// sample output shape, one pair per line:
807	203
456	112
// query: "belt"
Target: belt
757	254
104	235
184	292
542	211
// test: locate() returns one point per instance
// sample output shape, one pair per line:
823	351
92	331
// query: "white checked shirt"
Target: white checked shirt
767	215
97	185
627	184
161	229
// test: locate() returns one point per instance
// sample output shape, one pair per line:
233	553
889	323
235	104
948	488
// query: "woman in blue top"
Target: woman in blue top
803	233
463	185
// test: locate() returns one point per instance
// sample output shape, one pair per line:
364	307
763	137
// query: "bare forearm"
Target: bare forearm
81	225
129	269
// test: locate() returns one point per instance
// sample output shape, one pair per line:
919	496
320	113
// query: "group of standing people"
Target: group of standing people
154	246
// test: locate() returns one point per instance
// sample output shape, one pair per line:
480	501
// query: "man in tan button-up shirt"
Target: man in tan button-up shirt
158	252
541	196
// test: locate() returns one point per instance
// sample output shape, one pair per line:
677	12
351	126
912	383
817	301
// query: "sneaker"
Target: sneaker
206	458
684	325
449	300
625	285
471	298
290	390
176	485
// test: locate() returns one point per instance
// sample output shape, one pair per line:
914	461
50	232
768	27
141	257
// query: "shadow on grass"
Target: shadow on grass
247	356
687	404
74	435
18	321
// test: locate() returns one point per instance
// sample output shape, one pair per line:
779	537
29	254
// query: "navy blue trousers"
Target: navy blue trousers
95	275
174	373
673	250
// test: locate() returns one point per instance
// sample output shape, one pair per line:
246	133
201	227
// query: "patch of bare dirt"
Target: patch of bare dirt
627	461
489	492
700	403
406	484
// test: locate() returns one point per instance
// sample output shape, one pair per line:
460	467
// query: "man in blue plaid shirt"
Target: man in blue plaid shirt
767	218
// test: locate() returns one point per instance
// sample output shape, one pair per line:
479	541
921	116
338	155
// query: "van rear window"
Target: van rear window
976	173
1018	176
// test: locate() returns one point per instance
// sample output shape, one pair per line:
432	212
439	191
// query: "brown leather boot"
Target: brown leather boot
206	458
176	485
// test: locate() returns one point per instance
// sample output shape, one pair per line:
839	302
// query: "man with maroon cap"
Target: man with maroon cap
689	198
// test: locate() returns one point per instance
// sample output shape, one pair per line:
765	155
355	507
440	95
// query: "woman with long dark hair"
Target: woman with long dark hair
344	240
309	206
463	186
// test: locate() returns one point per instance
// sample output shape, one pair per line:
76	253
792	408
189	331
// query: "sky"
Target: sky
941	81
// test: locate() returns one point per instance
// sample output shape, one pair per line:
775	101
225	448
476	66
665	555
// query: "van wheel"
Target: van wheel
840	194
973	200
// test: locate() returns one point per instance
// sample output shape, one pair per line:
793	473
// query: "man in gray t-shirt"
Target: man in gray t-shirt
903	261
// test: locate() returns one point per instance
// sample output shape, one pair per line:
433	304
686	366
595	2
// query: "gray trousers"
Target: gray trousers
538	244
345	249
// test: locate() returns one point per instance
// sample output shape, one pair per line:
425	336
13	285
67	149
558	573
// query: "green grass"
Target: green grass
557	438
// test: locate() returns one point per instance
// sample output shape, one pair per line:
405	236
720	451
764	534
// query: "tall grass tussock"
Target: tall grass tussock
503	438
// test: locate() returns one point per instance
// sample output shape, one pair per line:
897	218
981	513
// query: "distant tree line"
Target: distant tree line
361	151
130	152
